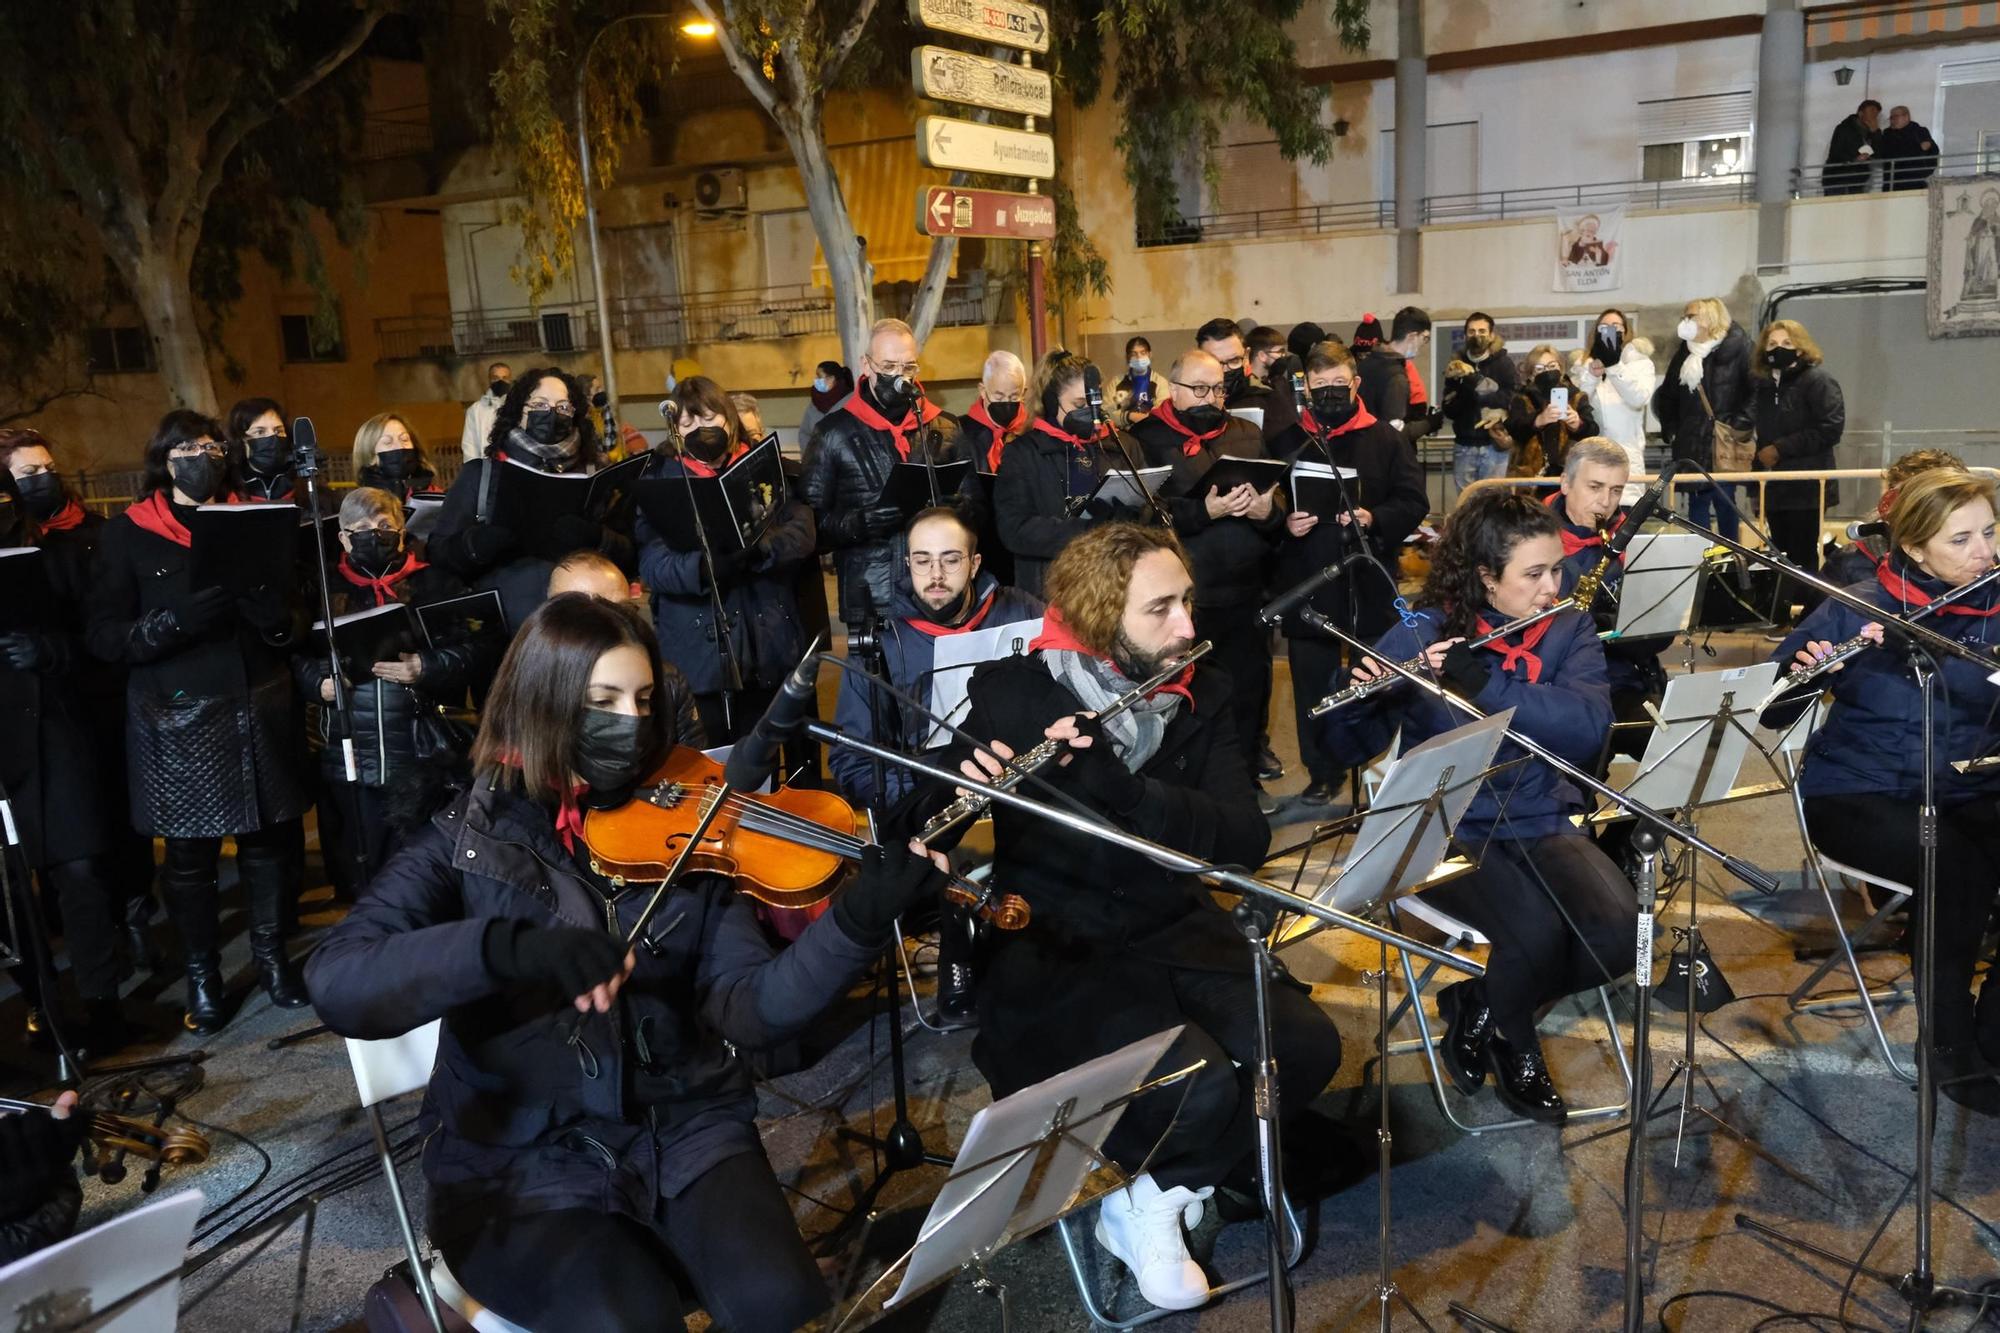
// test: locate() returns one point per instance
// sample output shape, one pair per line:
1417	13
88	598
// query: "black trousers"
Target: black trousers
727	1245
1316	667
1524	897
1879	834
1796	532
93	908
339	833
1243	649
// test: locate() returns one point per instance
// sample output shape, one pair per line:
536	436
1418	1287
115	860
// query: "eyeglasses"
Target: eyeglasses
276	434
1203	392
950	562
564	408
1233	363
380	530
195	449
906	369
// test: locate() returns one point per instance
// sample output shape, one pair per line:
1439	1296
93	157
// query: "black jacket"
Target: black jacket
1230	555
1491	385
212	733
1725	375
1909	156
1848	137
1801	415
1391	489
1385	383
1031	494
850	464
1554	438
527	1120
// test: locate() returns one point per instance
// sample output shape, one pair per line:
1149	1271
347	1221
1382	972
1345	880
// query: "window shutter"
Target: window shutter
1708	116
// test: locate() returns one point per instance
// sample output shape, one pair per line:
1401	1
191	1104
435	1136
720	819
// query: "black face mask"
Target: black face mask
1080	422
894	401
1233	381
269	455
197	478
1333	404
374	552
547	426
613	750
1202	418
42	494
1479	345
707	443
498	388
1003	414
396	465
1778	358
1547	379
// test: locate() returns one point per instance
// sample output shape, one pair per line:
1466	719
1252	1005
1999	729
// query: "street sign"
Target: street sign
999	214
966	145
956	76
1005	22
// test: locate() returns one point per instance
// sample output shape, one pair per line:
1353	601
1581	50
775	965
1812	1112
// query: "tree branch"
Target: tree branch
829	69
749	72
42	404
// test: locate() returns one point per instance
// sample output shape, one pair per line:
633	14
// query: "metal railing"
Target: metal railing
1537	200
556	329
403	134
1879	175
413	337
109	493
1302	220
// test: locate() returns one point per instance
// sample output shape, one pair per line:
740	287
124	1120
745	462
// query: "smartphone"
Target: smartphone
1559	399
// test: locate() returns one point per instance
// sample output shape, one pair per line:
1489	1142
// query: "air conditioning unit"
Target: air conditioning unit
720	192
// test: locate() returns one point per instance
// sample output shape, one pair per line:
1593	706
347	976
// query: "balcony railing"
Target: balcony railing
1906	173
397	134
1303	220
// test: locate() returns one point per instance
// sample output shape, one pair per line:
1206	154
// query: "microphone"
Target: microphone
754	757
1299	395
1287	601
1093	390
1642	508
904	386
305	447
1858	530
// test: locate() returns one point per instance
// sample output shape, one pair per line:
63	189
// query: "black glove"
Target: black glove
28	652
35	1153
1465	671
266	610
569	958
730	566
1099	774
575	532
489	543
203	611
881	520
892	878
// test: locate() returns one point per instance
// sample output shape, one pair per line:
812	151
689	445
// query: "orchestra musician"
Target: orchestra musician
1862	781
1559	914
1119	949
596	1116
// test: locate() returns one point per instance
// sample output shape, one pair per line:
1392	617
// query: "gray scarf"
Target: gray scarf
555	457
1135	733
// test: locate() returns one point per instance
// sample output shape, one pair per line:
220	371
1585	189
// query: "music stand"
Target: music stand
135	1257
1040	1143
1401	841
956	657
1656	593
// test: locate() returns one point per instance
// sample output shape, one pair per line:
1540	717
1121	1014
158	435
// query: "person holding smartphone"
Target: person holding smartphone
1546	413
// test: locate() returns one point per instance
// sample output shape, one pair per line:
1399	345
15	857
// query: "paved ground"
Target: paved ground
1525	1226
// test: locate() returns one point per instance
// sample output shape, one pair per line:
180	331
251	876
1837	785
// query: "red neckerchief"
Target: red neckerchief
1418	396
1056	634
1002	435
1573	543
569	814
865	412
155	515
1909	594
700	469
1082	446
937	631
1191	443
69	516
1524	651
1887	502
1361	420
384	588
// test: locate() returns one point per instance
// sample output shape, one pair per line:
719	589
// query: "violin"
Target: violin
108	1132
788	848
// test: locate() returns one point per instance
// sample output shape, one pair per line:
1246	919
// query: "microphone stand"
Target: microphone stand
930	454
1094	395
32	941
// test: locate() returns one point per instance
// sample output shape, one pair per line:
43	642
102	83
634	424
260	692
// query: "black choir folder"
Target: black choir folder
383	633
527	499
1228	473
241	548
26	603
733	507
909	484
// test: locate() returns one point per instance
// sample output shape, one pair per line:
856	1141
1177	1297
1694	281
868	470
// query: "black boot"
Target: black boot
138	935
193	902
1964	1076
1468	1027
1522	1079
272	891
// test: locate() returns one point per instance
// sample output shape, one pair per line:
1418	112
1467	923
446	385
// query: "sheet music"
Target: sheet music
107	1263
957	656
1656	593
1674	754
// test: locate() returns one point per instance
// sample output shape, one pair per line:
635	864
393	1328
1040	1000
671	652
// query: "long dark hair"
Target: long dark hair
176	427
528	729
1481	533
515	406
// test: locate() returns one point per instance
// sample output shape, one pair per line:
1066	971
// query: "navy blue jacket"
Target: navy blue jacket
525	1120
765	632
1631	665
908	654
1568	711
1872	739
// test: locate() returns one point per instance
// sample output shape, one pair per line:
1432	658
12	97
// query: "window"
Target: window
1689	138
1695	158
302	343
119	349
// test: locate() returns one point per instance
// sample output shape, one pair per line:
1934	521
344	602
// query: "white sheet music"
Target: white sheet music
958	655
95	1269
1672	763
1656	594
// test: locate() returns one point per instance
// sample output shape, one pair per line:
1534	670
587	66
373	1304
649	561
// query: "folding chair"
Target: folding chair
390	1068
1460	935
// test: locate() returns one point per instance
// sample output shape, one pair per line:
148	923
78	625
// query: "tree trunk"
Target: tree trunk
847	267
159	287
930	292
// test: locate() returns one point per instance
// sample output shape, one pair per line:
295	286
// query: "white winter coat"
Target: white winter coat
1620	396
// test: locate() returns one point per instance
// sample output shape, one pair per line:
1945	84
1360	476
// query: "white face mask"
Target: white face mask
1687	329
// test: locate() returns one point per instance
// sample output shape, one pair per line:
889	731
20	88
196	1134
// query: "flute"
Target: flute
1848	649
974	803
1586	588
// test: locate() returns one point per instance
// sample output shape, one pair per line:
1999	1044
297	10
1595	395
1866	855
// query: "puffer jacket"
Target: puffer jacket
1802	415
1620	397
1872	739
525	1118
1568	710
1725	376
1551	442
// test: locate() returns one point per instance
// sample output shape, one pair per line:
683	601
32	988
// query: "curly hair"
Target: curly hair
508	415
180	426
1088	581
1480	534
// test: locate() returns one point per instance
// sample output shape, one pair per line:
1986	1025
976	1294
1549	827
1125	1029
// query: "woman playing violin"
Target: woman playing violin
596	1163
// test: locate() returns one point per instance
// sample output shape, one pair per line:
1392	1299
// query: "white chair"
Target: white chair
390	1068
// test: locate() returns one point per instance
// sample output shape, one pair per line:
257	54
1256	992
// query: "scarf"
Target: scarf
384	586
69	516
700	469
1082	446
869	415
547	457
1909	593
1137	733
971	622
156	515
569	813
1523	652
1691	368
1572	542
1191	443
829	400
1001	434
1361	420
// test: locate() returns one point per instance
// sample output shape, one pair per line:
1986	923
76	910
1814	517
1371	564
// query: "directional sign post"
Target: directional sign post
943	210
1003	22
966	145
945	75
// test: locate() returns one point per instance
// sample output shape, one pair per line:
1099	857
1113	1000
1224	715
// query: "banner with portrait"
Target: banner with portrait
1962	259
1588	244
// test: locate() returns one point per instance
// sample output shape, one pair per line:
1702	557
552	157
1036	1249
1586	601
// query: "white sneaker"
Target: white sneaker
1141	1228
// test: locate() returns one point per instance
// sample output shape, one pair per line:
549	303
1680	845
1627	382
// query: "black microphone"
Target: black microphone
754	757
1289	599
904	386
305	448
1299	394
1642	508
1858	530
1093	390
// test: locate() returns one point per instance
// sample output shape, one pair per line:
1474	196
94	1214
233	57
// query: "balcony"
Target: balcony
1908	173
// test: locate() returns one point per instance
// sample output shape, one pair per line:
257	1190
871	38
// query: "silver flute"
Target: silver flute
1848	649
973	804
1586	592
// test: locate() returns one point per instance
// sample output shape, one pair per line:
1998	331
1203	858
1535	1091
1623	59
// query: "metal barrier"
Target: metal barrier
1880	174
